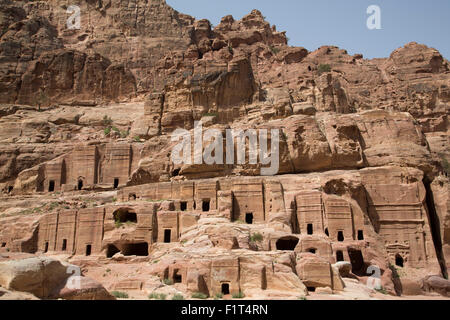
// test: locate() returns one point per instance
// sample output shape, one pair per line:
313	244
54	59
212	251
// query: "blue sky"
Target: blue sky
342	23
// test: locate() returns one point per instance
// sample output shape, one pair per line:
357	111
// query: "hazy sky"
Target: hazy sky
342	23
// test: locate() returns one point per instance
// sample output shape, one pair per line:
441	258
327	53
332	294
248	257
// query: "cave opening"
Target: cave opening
357	261
3	244
80	184
398	260
340	236
88	250
111	250
309	229
206	205
167	235
64	245
312	250
46	247
433	219
249	218
116	183
326	232
183	205
339	256
124	215
225	288
287	243
135	249
176	172
177	278
360	235
51	186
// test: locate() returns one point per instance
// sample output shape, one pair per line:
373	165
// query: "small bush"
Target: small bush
239	295
115	129
107	131
256	237
382	290
210	114
118	224
324	68
177	297
137	139
230	49
120	294
107	121
302	298
157	296
218	296
124	134
168	282
274	49
199	295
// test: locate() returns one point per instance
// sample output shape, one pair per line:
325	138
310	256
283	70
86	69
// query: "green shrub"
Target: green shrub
324	68
210	114
107	131
124	134
177	297
107	121
137	139
256	237
302	298
230	49
239	295
118	224
162	296
115	129
382	290
199	295
218	296
120	294
168	282
274	49
157	296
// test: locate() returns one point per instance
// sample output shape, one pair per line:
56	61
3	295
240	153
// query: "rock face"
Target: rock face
49	278
87	126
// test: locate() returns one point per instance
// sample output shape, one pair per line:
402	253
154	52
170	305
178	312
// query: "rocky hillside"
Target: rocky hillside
86	123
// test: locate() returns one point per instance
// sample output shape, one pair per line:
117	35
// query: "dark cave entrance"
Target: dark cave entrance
124	215
116	183
135	249
111	250
287	243
249	218
225	288
339	256
167	235
433	219
357	261
399	260
64	245
206	205
88	250
360	235
177	278
51	186
183	205
80	184
340	236
309	228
